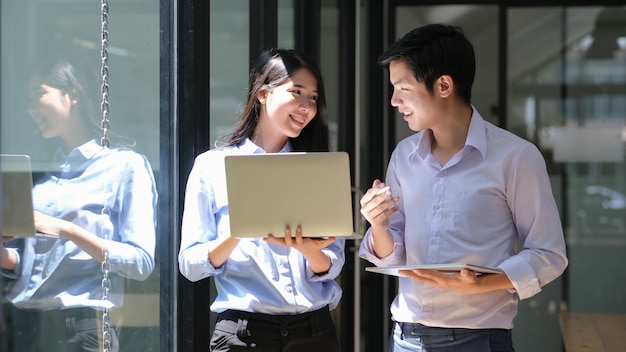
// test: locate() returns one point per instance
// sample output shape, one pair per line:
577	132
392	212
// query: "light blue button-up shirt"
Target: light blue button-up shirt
491	196
56	273
258	276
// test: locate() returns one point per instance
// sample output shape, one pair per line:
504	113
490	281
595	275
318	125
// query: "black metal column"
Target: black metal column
307	27
191	109
346	142
263	26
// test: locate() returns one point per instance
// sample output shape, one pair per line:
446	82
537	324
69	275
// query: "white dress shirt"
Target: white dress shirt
490	205
258	276
56	273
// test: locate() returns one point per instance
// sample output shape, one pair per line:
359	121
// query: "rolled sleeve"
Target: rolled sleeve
133	255
543	257
199	226
194	264
367	252
337	258
13	274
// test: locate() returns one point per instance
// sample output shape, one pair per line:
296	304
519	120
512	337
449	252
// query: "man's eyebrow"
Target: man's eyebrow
397	82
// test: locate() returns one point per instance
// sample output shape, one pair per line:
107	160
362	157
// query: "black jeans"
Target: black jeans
244	331
67	330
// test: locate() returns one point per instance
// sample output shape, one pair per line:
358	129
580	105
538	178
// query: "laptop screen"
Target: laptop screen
17	201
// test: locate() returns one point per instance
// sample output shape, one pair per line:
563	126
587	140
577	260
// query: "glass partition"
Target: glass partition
228	64
567	93
91	198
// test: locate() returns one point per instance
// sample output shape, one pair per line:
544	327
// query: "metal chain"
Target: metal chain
105	124
104	72
106	286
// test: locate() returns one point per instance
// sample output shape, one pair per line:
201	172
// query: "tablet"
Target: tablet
454	267
267	192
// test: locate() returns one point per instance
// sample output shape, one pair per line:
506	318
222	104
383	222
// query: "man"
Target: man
461	190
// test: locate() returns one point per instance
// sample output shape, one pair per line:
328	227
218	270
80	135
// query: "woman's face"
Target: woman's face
288	108
51	109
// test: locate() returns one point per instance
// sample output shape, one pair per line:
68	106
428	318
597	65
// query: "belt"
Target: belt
232	314
424	330
310	321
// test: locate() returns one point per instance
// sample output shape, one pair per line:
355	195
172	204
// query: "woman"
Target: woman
94	200
273	293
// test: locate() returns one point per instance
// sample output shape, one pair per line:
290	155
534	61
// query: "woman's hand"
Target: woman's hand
50	225
310	247
7	259
87	241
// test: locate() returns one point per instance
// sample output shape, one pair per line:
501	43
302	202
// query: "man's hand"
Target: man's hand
377	205
466	281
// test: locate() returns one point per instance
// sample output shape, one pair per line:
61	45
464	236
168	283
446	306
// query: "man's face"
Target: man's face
411	97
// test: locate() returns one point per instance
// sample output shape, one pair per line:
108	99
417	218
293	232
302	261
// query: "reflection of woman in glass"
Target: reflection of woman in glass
93	199
274	294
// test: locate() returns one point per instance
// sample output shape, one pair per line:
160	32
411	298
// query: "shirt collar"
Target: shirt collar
248	147
85	151
476	138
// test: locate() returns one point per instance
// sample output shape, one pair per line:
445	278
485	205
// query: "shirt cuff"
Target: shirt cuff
522	276
367	252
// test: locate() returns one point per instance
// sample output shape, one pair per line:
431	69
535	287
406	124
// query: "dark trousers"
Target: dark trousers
244	331
411	337
67	330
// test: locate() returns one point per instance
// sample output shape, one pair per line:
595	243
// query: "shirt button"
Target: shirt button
436	206
284	333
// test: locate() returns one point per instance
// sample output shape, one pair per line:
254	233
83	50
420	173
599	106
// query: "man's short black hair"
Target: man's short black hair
435	50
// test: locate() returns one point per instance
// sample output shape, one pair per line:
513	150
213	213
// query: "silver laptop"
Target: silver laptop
267	192
17	197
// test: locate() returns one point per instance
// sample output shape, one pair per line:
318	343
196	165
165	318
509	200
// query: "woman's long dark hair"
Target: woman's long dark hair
271	69
80	79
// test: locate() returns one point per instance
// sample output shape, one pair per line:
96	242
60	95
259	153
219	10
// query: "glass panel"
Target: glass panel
595	74
567	93
88	194
286	30
228	64
534	41
329	65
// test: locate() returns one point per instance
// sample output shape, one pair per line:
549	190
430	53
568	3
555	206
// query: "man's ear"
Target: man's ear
445	86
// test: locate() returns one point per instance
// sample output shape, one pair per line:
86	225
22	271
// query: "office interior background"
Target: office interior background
553	72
